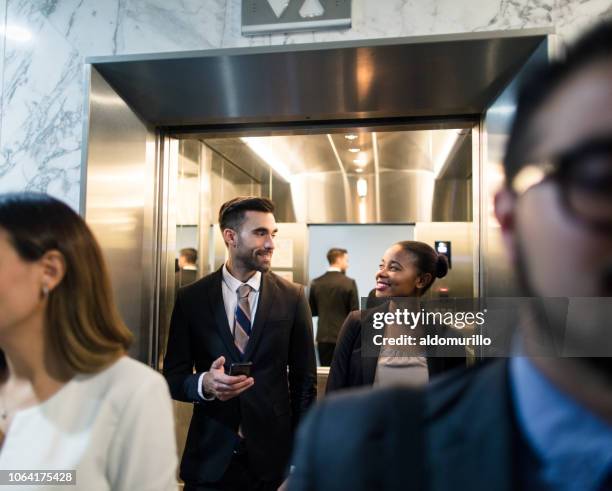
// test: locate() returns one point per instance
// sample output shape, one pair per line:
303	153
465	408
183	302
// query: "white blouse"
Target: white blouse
115	428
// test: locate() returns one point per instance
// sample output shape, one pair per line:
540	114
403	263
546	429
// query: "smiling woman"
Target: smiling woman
63	364
407	269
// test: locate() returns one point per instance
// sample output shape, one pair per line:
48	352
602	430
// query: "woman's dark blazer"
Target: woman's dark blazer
350	368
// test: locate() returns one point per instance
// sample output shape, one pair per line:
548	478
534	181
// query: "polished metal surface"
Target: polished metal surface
458	283
138	105
497	275
434	76
120	158
411	175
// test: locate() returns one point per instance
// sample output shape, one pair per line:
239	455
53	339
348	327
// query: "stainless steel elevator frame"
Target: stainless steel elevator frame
137	106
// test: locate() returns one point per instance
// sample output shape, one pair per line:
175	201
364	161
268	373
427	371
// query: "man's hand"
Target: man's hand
222	386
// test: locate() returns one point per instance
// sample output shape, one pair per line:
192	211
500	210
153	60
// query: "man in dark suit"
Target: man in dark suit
188	271
332	297
539	420
242	427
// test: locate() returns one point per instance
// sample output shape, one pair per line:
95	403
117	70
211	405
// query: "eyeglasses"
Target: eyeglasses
584	174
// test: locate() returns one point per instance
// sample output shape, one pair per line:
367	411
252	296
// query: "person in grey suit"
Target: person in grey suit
332	297
539	420
241	431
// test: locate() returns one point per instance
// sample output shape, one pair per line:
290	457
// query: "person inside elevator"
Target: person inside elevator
70	397
241	431
407	269
332	297
530	421
188	270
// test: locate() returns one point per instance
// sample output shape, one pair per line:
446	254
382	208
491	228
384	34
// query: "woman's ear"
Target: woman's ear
53	267
423	280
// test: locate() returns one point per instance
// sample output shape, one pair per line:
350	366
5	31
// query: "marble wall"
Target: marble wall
46	41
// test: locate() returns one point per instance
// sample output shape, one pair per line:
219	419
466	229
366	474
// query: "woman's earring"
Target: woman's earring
45	291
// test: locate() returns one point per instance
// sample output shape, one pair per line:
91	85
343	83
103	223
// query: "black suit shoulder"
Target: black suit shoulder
195	290
284	285
375	426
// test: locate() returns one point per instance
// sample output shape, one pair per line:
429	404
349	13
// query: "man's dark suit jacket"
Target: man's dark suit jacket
457	434
352	368
332	297
269	411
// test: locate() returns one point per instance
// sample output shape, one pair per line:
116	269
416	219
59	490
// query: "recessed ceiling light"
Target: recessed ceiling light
360	162
362	187
350	137
354	150
359	170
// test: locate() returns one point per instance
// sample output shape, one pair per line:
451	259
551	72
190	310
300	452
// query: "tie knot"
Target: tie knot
244	290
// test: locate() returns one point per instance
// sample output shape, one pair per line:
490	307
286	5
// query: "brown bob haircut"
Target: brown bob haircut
82	322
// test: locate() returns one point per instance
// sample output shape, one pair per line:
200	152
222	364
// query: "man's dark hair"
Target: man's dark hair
334	254
595	46
190	254
231	214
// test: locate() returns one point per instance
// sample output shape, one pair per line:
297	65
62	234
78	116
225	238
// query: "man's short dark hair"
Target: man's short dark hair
231	214
334	254
594	46
190	254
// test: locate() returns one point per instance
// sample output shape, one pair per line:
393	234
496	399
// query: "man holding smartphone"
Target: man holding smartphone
245	319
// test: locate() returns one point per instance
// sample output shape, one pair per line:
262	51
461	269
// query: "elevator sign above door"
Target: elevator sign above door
274	16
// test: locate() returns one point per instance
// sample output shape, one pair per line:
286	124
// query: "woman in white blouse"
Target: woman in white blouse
70	398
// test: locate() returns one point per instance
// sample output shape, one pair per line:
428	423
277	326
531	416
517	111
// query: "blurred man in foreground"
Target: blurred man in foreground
530	422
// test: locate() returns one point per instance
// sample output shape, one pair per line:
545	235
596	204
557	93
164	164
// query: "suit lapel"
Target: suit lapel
267	294
218	310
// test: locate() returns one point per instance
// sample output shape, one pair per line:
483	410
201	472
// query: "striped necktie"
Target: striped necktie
242	318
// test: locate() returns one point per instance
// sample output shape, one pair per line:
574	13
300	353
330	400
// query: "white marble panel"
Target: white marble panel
90	26
42	109
148	26
139	26
572	17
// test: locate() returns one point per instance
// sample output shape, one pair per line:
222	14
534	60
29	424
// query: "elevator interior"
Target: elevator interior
170	137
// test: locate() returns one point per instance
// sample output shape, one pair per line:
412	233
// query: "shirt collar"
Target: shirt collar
233	283
574	445
190	267
333	268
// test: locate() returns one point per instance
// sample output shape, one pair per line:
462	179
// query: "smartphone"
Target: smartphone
240	368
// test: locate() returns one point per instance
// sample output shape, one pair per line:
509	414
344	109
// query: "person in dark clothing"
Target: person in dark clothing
332	297
188	270
242	428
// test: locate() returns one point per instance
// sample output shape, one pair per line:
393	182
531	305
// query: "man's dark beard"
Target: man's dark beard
555	324
248	262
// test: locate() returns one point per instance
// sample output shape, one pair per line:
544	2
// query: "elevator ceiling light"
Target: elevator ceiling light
350	137
359	170
362	187
354	150
362	159
268	155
